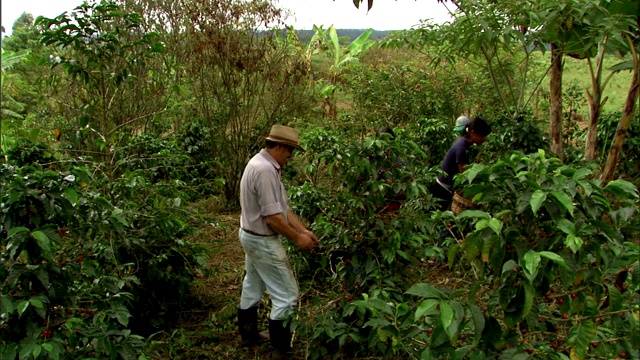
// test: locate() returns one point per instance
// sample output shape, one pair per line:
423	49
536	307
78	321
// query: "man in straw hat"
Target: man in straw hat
265	218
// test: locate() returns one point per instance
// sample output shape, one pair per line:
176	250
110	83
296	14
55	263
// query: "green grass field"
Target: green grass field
576	72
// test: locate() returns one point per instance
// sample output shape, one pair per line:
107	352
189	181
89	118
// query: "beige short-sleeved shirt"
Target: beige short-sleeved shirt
261	194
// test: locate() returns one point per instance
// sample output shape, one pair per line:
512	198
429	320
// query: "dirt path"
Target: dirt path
207	328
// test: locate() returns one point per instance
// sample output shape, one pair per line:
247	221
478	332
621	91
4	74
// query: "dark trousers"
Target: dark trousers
441	196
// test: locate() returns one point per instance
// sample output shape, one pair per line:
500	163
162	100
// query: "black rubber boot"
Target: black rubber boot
280	337
248	326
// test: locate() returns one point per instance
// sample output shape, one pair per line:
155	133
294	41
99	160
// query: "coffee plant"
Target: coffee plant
81	276
56	299
522	134
373	216
552	256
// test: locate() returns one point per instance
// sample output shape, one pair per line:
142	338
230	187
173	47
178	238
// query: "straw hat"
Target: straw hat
285	135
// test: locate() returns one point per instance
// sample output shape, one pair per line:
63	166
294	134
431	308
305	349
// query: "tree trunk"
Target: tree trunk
555	100
623	126
595	105
594	115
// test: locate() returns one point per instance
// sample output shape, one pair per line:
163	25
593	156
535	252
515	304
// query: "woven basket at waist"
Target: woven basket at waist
460	204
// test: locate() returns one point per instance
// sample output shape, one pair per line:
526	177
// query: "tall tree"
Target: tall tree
610	38
633	94
240	72
23	34
105	54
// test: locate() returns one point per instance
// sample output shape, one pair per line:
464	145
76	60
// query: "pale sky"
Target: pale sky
385	14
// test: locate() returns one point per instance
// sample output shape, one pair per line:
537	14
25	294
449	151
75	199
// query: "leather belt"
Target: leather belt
255	234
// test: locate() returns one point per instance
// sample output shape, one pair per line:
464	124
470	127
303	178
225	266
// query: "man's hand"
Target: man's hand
313	236
306	241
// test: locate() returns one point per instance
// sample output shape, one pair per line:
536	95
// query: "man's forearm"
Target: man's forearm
283	227
295	222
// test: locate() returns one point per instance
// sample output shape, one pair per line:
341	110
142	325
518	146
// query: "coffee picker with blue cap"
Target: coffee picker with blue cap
264	220
457	158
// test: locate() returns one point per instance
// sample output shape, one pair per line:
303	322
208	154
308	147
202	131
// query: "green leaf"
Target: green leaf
508	266
427	291
473	214
36	351
383	335
615	298
529	297
495	225
116	214
48	347
564	200
36	303
9	351
625	65
573	242
328	90
580	335
425	307
71	195
567	227
446	314
482	224
537	199
44	243
531	264
474	171
622	188
123	317
22	307
453	330
554	257
380	305
16	230
581	173
27	350
478	321
6	304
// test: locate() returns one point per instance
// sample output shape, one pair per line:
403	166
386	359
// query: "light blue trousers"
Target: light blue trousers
267	268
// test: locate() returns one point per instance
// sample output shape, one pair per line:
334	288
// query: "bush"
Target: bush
398	95
552	254
76	265
372	213
179	165
522	134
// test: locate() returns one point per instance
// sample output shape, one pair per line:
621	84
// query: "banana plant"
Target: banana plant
10	107
8	60
341	58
